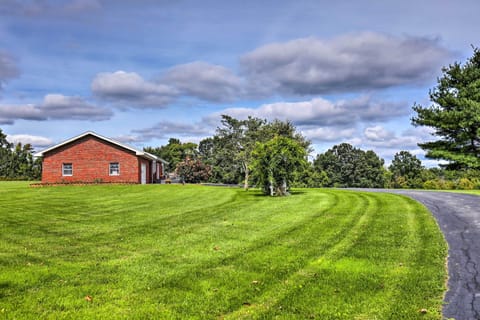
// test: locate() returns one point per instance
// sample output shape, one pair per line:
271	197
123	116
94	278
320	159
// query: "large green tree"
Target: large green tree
5	152
347	166
174	152
406	168
238	138
276	162
17	161
229	151
454	115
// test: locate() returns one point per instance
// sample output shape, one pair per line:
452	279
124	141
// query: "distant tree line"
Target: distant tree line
273	157
17	161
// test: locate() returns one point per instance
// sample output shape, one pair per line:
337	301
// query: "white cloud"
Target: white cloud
377	133
54	107
343	64
36	141
322	112
328	134
204	81
167	129
130	90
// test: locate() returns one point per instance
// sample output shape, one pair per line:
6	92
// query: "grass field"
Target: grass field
195	252
475	192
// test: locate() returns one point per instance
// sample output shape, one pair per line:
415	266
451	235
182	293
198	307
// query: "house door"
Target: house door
143	173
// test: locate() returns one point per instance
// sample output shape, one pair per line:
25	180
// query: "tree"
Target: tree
311	178
454	115
22	164
347	166
193	170
229	151
5	152
16	161
238	137
174	152
216	152
406	170
275	163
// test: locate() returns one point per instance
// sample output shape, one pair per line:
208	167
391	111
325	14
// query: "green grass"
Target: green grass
475	192
194	252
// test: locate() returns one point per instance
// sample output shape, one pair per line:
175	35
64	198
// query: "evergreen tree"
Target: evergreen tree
454	115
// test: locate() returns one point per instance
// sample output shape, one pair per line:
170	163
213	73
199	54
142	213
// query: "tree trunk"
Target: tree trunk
247	175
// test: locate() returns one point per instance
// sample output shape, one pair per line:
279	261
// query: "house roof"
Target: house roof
139	153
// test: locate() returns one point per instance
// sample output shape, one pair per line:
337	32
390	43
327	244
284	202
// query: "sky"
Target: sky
143	71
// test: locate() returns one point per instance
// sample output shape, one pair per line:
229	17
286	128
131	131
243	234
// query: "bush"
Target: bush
465	184
431	185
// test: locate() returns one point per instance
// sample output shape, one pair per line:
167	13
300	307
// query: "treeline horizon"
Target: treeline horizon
223	158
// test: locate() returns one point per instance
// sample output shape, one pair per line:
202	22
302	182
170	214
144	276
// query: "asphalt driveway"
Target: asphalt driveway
458	216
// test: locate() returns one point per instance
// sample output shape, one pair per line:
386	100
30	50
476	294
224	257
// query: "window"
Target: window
67	169
114	169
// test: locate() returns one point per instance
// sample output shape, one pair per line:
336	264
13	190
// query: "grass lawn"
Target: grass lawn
475	192
195	252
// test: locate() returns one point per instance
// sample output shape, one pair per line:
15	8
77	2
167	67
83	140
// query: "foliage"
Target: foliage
275	163
310	178
194	252
454	115
229	151
235	140
174	152
193	171
347	166
214	152
406	169
17	162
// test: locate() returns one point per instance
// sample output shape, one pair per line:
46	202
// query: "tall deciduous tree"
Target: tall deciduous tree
347	166
454	115
5	151
174	152
406	166
17	162
238	137
229	151
276	162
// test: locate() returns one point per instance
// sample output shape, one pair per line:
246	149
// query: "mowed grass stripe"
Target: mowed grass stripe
176	252
316	251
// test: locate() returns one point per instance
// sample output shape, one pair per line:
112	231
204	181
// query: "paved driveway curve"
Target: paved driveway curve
458	216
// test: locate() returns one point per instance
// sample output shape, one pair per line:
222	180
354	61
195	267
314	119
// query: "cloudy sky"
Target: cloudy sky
143	71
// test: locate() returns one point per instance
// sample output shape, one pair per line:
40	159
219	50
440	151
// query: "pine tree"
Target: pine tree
454	115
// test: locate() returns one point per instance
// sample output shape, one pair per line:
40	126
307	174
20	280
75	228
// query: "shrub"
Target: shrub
465	184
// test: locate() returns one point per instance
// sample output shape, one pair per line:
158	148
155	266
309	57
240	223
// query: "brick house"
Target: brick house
90	157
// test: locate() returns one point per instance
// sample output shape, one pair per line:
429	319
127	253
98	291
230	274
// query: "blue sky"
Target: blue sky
144	71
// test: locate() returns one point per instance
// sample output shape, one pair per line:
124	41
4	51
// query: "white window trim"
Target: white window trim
110	169
63	169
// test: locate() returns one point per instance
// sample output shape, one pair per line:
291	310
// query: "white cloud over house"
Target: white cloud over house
36	141
129	89
54	107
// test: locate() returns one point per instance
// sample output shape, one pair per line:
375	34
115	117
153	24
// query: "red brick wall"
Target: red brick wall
91	159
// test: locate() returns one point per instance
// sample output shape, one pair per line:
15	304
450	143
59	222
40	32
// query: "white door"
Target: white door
143	175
